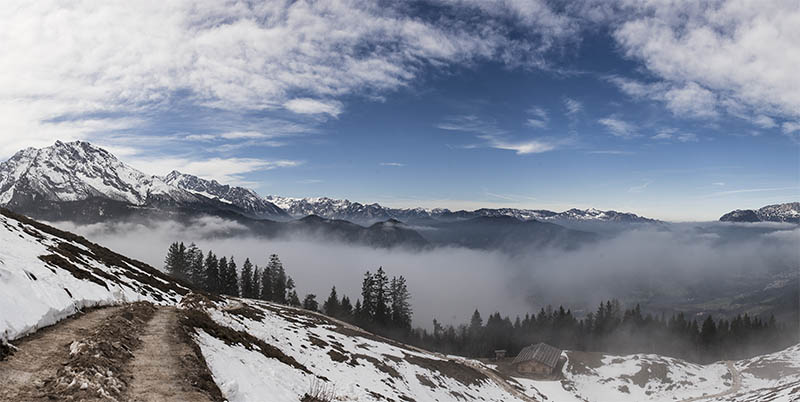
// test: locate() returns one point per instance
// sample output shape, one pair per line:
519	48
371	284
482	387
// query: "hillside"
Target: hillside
243	350
787	212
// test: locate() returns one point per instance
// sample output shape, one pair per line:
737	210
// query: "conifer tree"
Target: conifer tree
310	302
211	277
256	283
346	309
293	299
176	263
279	279
266	284
380	296
400	305
367	310
196	271
331	305
247	279
232	278
223	275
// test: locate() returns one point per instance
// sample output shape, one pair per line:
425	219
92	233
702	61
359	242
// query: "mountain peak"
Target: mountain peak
78	170
244	198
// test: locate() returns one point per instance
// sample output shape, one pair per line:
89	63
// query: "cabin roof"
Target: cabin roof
541	353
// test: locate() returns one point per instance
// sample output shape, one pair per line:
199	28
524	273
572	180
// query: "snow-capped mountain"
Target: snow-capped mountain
80	181
787	212
370	213
76	171
244	198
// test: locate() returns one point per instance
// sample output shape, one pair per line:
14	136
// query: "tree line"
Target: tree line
612	329
385	308
221	275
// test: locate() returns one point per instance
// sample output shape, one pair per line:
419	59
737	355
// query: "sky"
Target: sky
678	110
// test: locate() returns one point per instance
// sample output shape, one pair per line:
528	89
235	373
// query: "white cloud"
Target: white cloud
471	124
764	121
691	100
673	134
134	58
640	188
721	53
540	117
573	106
313	106
495	137
224	170
522	148
790	127
619	128
688	100
394	164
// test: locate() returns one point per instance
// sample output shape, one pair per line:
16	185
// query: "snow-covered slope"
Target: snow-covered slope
307	350
311	350
590	377
246	199
787	212
77	171
47	275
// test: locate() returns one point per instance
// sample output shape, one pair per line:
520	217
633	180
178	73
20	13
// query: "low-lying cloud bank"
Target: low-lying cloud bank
448	283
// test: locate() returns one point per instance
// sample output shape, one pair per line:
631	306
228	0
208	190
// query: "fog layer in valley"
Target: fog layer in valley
674	263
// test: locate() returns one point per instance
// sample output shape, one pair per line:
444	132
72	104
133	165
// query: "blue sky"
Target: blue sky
681	111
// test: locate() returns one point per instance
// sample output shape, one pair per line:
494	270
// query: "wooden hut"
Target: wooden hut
541	359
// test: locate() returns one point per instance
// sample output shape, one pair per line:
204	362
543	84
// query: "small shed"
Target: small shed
499	354
540	358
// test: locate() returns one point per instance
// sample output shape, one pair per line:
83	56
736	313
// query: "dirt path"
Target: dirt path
40	355
163	367
737	384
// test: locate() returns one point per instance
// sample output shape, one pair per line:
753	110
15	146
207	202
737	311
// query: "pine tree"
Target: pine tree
246	281
331	306
256	283
196	272
400	305
176	262
211	276
223	275
266	284
367	311
293	299
232	278
346	309
279	279
310	302
381	297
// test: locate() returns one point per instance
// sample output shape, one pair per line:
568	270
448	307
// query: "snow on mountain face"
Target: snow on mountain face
331	209
47	275
247	200
788	212
77	171
370	213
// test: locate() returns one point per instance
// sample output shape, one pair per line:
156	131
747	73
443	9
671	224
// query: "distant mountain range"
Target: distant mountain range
80	182
78	171
369	213
787	212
